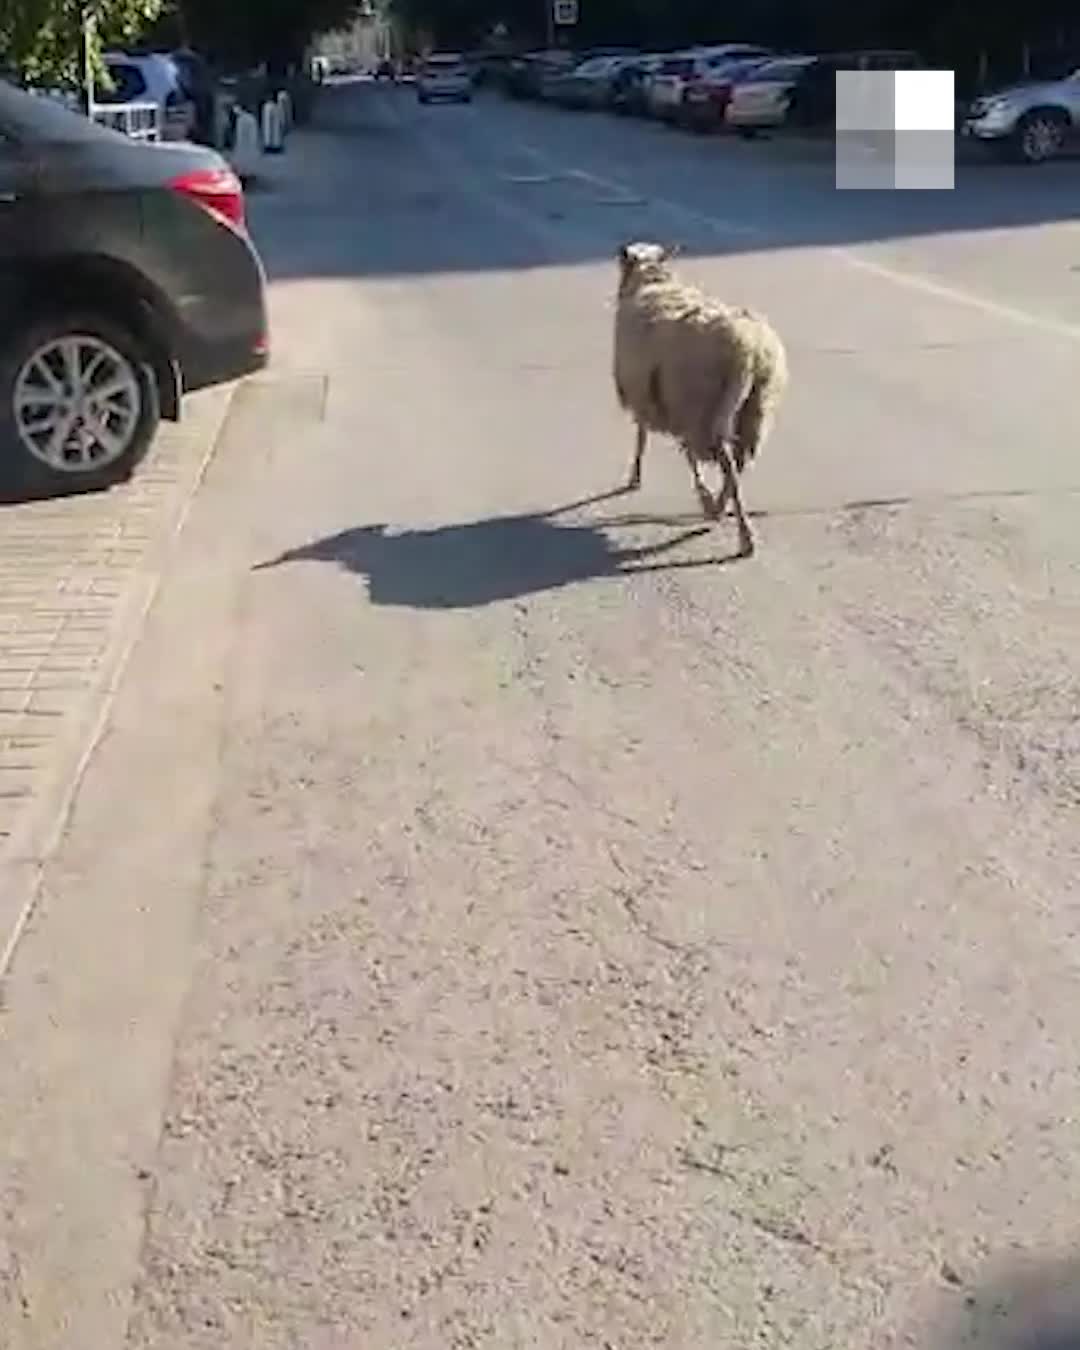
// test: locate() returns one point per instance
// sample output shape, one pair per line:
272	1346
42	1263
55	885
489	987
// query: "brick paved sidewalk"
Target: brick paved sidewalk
76	578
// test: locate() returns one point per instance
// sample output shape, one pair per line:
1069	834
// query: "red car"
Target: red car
705	99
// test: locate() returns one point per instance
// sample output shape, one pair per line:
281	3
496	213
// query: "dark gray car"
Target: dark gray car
127	278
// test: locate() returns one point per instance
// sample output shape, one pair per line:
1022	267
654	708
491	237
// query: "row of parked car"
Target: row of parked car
751	90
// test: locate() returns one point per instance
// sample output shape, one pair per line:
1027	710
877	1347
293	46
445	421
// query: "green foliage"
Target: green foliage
41	39
247	32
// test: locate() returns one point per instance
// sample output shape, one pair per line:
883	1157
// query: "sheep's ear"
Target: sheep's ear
624	254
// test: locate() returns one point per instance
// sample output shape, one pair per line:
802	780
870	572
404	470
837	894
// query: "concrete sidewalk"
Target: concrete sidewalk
77	576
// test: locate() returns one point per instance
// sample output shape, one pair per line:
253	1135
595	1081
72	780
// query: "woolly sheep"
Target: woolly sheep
706	374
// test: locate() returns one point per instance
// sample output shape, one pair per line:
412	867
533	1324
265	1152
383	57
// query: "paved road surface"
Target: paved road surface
492	918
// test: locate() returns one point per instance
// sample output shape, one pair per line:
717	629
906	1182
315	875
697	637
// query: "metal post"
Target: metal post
550	5
87	32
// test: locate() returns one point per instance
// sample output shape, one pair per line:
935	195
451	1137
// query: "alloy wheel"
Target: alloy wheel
77	404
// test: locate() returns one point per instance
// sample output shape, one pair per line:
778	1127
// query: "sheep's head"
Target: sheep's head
641	262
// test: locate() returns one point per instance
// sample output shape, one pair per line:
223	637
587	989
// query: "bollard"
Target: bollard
273	141
224	125
286	110
245	152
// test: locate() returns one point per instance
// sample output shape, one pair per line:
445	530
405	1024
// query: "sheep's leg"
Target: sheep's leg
708	502
724	432
731	491
634	481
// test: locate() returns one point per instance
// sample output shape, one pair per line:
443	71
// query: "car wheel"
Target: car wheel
79	406
1039	136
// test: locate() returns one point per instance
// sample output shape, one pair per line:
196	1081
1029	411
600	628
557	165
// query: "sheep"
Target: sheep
709	375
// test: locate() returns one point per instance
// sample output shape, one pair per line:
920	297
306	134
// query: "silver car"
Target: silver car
1030	122
444	76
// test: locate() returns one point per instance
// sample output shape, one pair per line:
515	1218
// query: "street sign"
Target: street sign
566	13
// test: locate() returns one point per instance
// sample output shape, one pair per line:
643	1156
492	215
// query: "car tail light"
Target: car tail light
219	192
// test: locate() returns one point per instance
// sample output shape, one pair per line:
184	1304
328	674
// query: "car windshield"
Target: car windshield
1055	67
783	70
678	65
444	63
125	84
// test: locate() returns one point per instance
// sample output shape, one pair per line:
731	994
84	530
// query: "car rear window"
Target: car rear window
27	118
680	66
735	70
125	84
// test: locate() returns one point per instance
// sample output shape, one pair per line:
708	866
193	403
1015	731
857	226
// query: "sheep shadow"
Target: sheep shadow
482	562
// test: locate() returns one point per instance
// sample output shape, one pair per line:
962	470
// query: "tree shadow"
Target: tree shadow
482	562
429	189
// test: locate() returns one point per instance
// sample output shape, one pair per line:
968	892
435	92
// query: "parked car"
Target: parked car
527	73
585	85
664	86
444	76
800	91
1033	121
670	82
202	87
151	78
548	70
495	69
516	79
706	97
127	279
629	94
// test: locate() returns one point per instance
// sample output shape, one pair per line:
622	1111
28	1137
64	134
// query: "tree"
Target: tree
249	32
41	40
950	32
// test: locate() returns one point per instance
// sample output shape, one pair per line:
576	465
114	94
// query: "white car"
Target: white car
151	79
444	76
669	84
763	101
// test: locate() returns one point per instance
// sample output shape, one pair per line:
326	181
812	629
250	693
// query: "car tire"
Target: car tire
1039	136
31	359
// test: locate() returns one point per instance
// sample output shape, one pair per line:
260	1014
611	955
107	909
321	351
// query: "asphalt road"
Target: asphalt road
495	918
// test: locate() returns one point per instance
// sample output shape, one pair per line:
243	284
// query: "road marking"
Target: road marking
914	281
941	290
632	197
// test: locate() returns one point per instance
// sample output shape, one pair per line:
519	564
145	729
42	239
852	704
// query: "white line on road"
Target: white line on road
915	281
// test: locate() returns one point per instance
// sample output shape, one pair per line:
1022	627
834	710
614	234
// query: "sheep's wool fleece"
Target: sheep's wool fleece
678	353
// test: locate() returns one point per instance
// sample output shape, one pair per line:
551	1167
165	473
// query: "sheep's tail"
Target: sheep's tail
754	418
